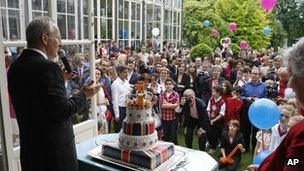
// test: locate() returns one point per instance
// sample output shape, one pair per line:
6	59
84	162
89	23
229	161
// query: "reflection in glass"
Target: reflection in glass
4	24
36	4
71	27
149	12
126	8
85	28
133	30
3	3
133	10
45	5
109	8
71	6
137	35
13	3
103	8
61	19
85	7
157	13
109	28
120	8
103	28
95	7
138	11
14	23
95	27
61	6
37	14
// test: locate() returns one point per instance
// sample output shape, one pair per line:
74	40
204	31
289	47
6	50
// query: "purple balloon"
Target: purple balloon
232	26
268	4
244	44
214	32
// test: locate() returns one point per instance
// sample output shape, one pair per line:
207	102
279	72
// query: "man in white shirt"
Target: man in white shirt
120	89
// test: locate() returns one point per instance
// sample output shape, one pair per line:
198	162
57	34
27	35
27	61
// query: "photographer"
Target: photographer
196	116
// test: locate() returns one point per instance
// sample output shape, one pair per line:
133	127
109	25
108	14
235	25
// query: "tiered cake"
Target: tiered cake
138	142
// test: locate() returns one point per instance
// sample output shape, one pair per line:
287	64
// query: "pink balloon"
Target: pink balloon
232	26
214	32
244	44
268	4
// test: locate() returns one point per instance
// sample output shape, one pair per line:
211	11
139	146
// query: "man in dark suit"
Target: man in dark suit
196	116
38	94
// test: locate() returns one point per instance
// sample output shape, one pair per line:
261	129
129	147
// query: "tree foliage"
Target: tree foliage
248	14
291	14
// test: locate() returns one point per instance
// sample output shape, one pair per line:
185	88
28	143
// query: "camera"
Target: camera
188	100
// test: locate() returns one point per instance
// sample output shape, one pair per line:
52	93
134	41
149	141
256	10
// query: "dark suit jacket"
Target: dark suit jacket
203	117
225	143
185	82
134	78
37	91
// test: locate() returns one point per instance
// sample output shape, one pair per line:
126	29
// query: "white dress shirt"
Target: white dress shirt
120	89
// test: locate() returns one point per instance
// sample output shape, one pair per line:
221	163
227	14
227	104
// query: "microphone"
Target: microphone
62	56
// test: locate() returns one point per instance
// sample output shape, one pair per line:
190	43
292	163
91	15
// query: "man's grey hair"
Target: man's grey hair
295	58
189	91
38	27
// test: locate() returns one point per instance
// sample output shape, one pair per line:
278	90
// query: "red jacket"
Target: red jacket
233	108
292	147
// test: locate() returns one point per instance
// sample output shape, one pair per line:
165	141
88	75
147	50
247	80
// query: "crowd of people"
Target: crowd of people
208	96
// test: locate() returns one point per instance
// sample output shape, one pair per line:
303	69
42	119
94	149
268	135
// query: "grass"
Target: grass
246	158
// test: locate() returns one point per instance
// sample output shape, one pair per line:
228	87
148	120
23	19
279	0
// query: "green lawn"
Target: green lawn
246	158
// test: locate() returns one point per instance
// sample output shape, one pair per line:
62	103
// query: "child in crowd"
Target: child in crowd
169	100
234	105
280	130
263	141
230	140
216	110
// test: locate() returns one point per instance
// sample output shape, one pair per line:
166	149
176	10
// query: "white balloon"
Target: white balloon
155	31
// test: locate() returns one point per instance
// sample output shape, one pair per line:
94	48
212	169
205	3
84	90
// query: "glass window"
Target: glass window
149	12
3	3
95	28
137	35
103	28
4	24
109	28
45	5
133	10
13	3
133	29
95	7
61	6
85	28
62	25
126	10
149	29
120	29
37	14
71	27
71	6
126	28
85	7
157	13
109	8
14	23
166	20
138	12
36	4
120	8
103	8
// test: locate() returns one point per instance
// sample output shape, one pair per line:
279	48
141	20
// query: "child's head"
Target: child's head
233	126
294	120
217	91
237	91
169	84
286	113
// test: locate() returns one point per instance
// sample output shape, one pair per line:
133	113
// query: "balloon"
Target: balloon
264	113
155	31
244	44
214	32
268	4
267	31
232	26
207	23
261	156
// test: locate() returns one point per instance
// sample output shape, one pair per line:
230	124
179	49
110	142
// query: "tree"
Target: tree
291	15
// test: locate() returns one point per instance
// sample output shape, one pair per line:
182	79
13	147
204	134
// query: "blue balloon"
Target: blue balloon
261	156
207	23
267	31
264	113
